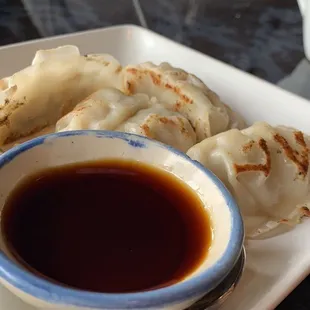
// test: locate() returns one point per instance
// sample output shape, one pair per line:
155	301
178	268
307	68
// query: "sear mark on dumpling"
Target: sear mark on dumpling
305	211
158	80
248	146
272	181
265	168
156	122
184	93
300	159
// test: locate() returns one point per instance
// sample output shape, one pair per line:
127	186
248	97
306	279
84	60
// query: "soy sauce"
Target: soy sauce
108	226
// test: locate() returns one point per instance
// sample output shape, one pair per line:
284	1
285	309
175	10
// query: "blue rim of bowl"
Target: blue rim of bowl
194	287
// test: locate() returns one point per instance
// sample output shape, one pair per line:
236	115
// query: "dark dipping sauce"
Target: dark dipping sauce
110	226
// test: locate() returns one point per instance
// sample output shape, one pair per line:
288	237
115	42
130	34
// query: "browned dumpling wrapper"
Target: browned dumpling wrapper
267	170
184	93
42	93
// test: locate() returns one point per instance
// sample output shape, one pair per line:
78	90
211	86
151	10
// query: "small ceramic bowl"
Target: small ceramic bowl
77	146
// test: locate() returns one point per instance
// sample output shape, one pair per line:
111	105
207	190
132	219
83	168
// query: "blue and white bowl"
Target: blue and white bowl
77	146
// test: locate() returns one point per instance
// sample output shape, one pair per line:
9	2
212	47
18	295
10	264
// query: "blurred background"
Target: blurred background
263	37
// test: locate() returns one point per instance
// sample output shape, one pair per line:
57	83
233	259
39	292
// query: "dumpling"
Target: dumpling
105	109
39	95
110	109
267	170
58	53
156	122
183	93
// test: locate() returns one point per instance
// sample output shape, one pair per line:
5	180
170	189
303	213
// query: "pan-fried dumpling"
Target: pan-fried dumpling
267	170
105	109
59	53
110	109
39	95
183	93
156	122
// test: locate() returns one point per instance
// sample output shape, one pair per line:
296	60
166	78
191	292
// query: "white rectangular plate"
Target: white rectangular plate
275	266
